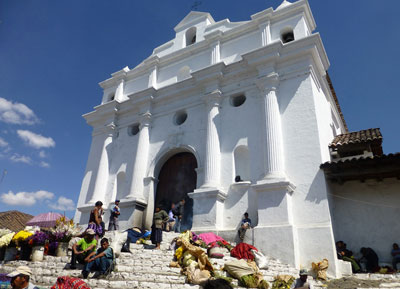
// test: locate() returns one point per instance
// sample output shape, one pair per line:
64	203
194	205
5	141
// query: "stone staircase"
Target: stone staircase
147	268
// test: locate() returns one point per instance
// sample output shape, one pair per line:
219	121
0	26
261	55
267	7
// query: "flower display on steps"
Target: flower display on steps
64	230
5	240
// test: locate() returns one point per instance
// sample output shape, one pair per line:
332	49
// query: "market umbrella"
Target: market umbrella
46	220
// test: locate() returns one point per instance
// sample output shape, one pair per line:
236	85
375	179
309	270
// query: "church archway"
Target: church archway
176	179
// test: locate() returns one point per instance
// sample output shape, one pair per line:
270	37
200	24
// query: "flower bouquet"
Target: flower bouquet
64	230
5	239
4	232
38	239
37	242
21	240
21	237
62	234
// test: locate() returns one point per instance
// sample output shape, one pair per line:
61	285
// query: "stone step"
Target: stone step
144	268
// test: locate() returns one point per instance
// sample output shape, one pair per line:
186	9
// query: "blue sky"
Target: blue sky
54	53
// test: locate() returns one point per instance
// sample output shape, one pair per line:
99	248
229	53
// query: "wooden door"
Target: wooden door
177	178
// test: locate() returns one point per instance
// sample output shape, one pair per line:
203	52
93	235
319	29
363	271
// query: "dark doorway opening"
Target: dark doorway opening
177	178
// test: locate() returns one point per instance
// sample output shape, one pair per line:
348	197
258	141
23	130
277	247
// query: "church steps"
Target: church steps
146	269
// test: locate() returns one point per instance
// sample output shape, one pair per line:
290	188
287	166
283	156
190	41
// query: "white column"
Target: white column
142	154
273	143
265	33
215	53
212	159
119	93
153	77
100	185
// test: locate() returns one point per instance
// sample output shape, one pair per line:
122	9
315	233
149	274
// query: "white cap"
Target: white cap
21	270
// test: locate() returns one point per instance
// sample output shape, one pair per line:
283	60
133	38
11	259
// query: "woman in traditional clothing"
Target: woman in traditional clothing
160	217
96	219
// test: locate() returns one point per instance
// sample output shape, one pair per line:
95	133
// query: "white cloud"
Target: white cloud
35	140
16	158
3	143
16	113
42	154
44	164
4	146
63	204
24	198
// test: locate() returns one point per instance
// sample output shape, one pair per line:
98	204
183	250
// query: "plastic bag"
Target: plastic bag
261	259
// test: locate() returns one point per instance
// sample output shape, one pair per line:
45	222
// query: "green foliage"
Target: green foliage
251	281
281	284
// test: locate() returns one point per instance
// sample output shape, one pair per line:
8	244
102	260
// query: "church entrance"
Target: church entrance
177	178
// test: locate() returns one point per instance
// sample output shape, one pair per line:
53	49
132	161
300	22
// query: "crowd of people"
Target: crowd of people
369	261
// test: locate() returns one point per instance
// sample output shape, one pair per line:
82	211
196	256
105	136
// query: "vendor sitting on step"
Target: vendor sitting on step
99	261
396	256
244	225
301	282
83	248
346	255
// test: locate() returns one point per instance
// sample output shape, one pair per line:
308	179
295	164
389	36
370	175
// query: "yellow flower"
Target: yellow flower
21	236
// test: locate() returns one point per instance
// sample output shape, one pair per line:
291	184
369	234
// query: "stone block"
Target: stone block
117	284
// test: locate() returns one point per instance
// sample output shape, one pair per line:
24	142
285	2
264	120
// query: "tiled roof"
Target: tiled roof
362	168
362	136
364	160
14	220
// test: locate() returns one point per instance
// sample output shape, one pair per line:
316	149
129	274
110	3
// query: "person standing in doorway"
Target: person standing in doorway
115	212
171	222
159	219
179	211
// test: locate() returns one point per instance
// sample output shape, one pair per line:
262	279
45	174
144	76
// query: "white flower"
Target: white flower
4	232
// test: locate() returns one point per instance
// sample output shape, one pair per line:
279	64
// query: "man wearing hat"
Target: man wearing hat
83	248
302	281
20	278
115	212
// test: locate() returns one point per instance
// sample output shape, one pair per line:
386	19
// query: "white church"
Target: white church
250	100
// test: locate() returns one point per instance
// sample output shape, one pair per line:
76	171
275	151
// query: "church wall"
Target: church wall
310	207
124	154
165	135
168	74
137	84
232	50
324	120
240	126
367	215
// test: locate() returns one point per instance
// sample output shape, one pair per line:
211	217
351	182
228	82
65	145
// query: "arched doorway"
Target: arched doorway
177	178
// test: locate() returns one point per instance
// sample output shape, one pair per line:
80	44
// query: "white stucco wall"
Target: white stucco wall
366	215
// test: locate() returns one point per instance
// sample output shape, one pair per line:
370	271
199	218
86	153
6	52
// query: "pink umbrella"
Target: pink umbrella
45	220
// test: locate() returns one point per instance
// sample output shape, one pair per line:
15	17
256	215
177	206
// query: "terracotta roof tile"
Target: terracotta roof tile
376	167
366	160
362	136
14	220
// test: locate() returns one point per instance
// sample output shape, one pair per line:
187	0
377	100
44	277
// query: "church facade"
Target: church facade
249	101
